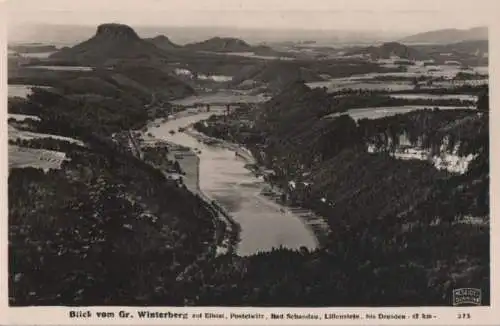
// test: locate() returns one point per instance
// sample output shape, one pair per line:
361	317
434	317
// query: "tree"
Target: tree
177	166
415	83
483	102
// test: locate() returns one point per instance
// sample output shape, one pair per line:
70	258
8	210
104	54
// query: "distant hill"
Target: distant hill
468	47
450	35
90	85
469	53
154	79
138	80
137	67
163	42
278	74
293	124
225	44
32	48
111	41
387	50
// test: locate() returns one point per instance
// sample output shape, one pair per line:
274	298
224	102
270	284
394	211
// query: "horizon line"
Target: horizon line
372	31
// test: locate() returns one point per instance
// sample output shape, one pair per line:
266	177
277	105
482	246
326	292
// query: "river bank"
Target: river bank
315	222
226	178
239	150
225	241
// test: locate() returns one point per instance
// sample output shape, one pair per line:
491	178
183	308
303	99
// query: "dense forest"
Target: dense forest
398	232
107	227
80	116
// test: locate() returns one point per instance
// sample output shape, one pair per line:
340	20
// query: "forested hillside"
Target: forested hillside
400	229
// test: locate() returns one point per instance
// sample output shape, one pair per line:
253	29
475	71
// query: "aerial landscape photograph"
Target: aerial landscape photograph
165	153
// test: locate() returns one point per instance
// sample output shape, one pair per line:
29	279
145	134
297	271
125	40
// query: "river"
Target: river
224	178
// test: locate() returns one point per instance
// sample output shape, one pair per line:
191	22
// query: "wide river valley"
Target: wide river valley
224	178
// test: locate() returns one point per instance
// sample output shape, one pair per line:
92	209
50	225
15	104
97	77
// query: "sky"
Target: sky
384	15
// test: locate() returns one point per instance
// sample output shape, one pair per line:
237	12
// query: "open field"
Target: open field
380	112
20	157
62	68
22	134
22	117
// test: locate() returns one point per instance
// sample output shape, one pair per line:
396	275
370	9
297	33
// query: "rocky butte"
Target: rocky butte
116	32
111	41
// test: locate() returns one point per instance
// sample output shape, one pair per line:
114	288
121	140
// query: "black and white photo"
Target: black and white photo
248	154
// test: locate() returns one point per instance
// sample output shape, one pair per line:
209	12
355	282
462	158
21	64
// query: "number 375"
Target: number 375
463	316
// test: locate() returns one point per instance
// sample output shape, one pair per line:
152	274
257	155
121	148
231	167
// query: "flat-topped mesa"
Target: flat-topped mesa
221	44
232	40
116	31
110	42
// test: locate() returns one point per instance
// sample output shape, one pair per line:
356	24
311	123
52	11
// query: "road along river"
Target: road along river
224	178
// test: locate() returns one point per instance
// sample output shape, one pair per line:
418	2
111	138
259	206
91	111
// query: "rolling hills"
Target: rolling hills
122	62
32	48
163	42
277	74
386	50
449	35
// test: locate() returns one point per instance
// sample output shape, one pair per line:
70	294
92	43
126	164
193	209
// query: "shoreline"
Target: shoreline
231	236
239	150
317	224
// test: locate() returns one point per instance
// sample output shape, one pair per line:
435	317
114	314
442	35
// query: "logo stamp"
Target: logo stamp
467	296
